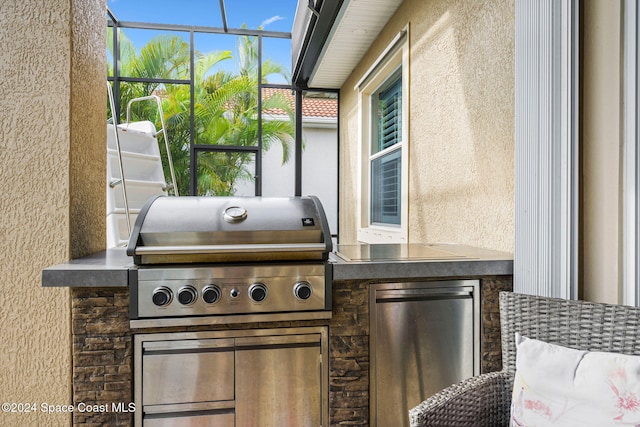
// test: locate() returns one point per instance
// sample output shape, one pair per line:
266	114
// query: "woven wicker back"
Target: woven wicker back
576	324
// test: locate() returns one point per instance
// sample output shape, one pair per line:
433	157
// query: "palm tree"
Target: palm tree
225	105
163	57
228	115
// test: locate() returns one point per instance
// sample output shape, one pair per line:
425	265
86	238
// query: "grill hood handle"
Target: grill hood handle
326	233
134	239
223	249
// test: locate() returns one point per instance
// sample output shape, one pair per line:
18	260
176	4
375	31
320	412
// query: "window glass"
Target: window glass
272	15
278	142
175	104
276	60
386	158
221	122
226	90
385	188
109	52
174	101
226	173
153	54
190	12
387	119
320	151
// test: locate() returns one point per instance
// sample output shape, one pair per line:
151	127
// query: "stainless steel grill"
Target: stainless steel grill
204	256
226	260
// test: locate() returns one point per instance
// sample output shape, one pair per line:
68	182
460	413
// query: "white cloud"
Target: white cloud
271	20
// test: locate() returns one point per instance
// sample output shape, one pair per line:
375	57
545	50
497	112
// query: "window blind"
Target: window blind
389	116
386	168
385	188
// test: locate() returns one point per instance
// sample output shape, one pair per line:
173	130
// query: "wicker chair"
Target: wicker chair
485	400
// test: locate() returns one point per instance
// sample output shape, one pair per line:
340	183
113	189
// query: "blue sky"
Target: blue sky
274	15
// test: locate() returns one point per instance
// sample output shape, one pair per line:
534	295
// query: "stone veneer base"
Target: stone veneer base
103	349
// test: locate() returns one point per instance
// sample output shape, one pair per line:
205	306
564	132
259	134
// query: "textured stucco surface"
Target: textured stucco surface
88	156
461	130
601	151
42	60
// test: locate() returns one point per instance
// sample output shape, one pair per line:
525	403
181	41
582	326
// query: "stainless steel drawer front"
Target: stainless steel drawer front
424	337
177	372
287	370
275	377
217	420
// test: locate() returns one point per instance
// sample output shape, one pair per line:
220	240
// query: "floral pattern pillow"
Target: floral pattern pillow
559	386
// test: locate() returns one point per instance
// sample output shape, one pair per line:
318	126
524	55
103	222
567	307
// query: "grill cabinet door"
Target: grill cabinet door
278	381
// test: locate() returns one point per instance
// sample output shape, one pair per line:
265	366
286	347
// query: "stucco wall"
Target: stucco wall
88	155
461	131
52	187
600	148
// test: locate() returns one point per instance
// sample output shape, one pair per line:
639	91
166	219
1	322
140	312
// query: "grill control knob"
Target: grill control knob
187	295
161	296
302	290
211	294
258	292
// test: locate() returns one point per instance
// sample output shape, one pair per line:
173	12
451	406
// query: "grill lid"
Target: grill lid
190	229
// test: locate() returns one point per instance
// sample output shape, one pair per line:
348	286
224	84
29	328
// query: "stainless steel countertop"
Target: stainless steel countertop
110	268
415	261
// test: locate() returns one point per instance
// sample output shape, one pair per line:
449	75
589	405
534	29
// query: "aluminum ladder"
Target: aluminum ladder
134	169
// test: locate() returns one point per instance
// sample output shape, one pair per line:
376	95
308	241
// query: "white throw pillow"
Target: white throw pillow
559	386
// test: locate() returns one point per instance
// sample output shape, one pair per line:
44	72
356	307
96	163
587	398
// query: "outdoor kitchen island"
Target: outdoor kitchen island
103	344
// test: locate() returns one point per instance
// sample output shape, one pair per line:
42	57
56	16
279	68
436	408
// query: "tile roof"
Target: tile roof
311	107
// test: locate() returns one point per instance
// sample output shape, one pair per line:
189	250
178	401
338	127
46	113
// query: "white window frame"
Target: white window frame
395	56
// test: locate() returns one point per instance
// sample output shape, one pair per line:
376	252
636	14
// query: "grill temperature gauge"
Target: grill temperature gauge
234	214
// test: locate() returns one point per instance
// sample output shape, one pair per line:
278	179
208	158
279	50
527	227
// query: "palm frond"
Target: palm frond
225	106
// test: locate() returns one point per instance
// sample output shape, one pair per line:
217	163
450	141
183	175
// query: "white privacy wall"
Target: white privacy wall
319	169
